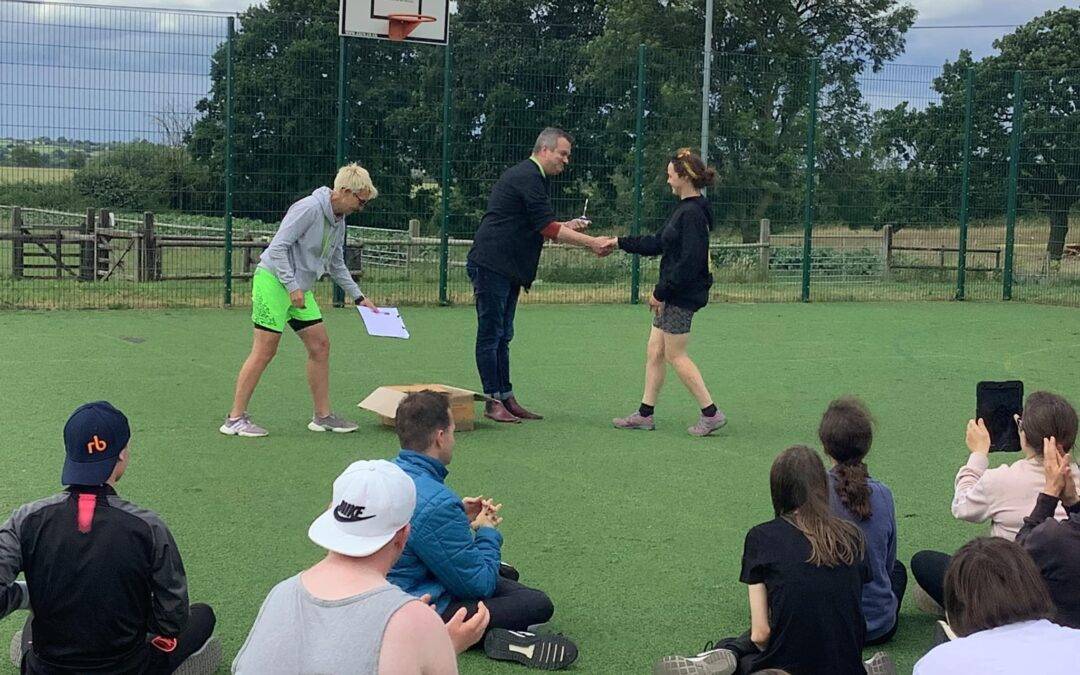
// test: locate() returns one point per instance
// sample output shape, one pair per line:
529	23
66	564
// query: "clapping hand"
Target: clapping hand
488	516
464	633
473	506
1058	473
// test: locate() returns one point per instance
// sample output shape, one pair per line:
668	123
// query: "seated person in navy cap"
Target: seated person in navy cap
104	581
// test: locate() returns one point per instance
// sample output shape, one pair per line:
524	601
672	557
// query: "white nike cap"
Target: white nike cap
372	501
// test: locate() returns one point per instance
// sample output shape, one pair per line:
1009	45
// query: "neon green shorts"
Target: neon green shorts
271	307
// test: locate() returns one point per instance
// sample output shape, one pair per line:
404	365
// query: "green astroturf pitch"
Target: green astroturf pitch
636	536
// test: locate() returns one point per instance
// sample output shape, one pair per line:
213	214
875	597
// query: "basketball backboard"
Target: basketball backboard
371	19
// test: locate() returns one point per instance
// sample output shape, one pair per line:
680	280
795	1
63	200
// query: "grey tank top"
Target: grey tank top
297	633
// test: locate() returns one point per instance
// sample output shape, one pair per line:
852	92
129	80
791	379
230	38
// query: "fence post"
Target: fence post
86	247
965	179
886	251
59	239
808	196
16	243
342	125
229	150
102	242
764	238
639	143
1014	177
148	267
444	224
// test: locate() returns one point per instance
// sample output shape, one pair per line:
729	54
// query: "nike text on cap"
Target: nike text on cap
372	501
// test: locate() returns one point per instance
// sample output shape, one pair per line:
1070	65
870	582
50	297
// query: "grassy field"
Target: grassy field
18	174
637	537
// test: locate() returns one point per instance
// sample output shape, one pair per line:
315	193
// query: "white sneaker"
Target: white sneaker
242	426
714	662
332	423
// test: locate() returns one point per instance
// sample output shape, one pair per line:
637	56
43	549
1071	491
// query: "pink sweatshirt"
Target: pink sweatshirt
1004	495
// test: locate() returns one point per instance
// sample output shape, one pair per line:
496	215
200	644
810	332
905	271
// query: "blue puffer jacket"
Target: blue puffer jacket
443	556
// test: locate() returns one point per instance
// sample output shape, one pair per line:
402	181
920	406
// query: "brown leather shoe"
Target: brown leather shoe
517	411
495	410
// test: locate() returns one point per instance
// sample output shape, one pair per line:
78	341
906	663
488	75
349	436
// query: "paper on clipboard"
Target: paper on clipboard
386	323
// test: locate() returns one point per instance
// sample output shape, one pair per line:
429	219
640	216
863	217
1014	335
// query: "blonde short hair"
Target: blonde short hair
355	178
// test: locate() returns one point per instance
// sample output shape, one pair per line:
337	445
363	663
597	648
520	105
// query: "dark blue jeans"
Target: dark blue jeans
496	303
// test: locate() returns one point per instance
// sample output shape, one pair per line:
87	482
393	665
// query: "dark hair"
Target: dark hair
993	582
419	416
549	138
846	432
689	165
1047	415
800	492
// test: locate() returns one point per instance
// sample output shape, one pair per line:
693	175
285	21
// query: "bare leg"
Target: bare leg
317	343
655	367
263	347
675	353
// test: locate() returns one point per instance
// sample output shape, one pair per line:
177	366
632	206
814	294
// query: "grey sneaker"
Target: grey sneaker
707	425
635	421
713	662
203	662
242	426
332	423
880	664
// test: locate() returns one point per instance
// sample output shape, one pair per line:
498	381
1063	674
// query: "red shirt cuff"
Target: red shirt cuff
551	230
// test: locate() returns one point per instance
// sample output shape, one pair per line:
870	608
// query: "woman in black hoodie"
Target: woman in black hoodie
685	278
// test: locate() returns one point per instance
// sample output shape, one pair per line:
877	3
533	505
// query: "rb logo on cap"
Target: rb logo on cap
96	445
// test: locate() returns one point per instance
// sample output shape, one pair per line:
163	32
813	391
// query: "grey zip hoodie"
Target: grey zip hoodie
309	244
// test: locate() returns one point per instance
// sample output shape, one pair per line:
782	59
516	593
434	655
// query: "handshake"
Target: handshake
601	246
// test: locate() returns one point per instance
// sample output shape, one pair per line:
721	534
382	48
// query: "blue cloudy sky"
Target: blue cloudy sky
102	74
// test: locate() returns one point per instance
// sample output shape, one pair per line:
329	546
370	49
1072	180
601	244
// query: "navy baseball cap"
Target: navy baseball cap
93	437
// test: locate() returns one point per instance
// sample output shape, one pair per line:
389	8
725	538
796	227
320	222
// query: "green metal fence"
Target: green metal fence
146	158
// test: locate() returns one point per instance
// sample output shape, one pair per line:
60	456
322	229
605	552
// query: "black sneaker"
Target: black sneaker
543	652
508	572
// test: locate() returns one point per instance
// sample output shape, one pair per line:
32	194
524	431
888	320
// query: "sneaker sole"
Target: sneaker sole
318	427
718	663
203	662
245	434
542	652
652	428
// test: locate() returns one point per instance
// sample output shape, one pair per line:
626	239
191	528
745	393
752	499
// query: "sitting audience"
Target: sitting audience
1005	494
846	432
341	615
1055	545
105	584
453	549
805	570
1000	611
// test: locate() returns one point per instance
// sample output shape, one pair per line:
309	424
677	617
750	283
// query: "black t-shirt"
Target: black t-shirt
815	614
508	240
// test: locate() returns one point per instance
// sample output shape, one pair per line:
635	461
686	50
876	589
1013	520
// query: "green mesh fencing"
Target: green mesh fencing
147	157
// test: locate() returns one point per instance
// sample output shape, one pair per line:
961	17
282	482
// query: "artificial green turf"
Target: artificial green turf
636	536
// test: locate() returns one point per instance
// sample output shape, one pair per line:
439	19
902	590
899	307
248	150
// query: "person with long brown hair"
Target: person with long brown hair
682	289
846	432
805	570
1000	611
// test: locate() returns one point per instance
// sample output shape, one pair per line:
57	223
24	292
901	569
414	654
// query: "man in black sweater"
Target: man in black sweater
1055	545
104	580
504	257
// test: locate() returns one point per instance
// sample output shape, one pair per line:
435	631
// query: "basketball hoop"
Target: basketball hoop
401	25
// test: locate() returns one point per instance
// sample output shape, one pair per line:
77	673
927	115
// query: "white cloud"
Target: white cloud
933	11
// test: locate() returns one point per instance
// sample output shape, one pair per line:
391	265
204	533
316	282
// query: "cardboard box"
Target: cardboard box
384	402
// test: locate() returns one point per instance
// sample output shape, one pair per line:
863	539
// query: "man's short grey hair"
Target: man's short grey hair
549	138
